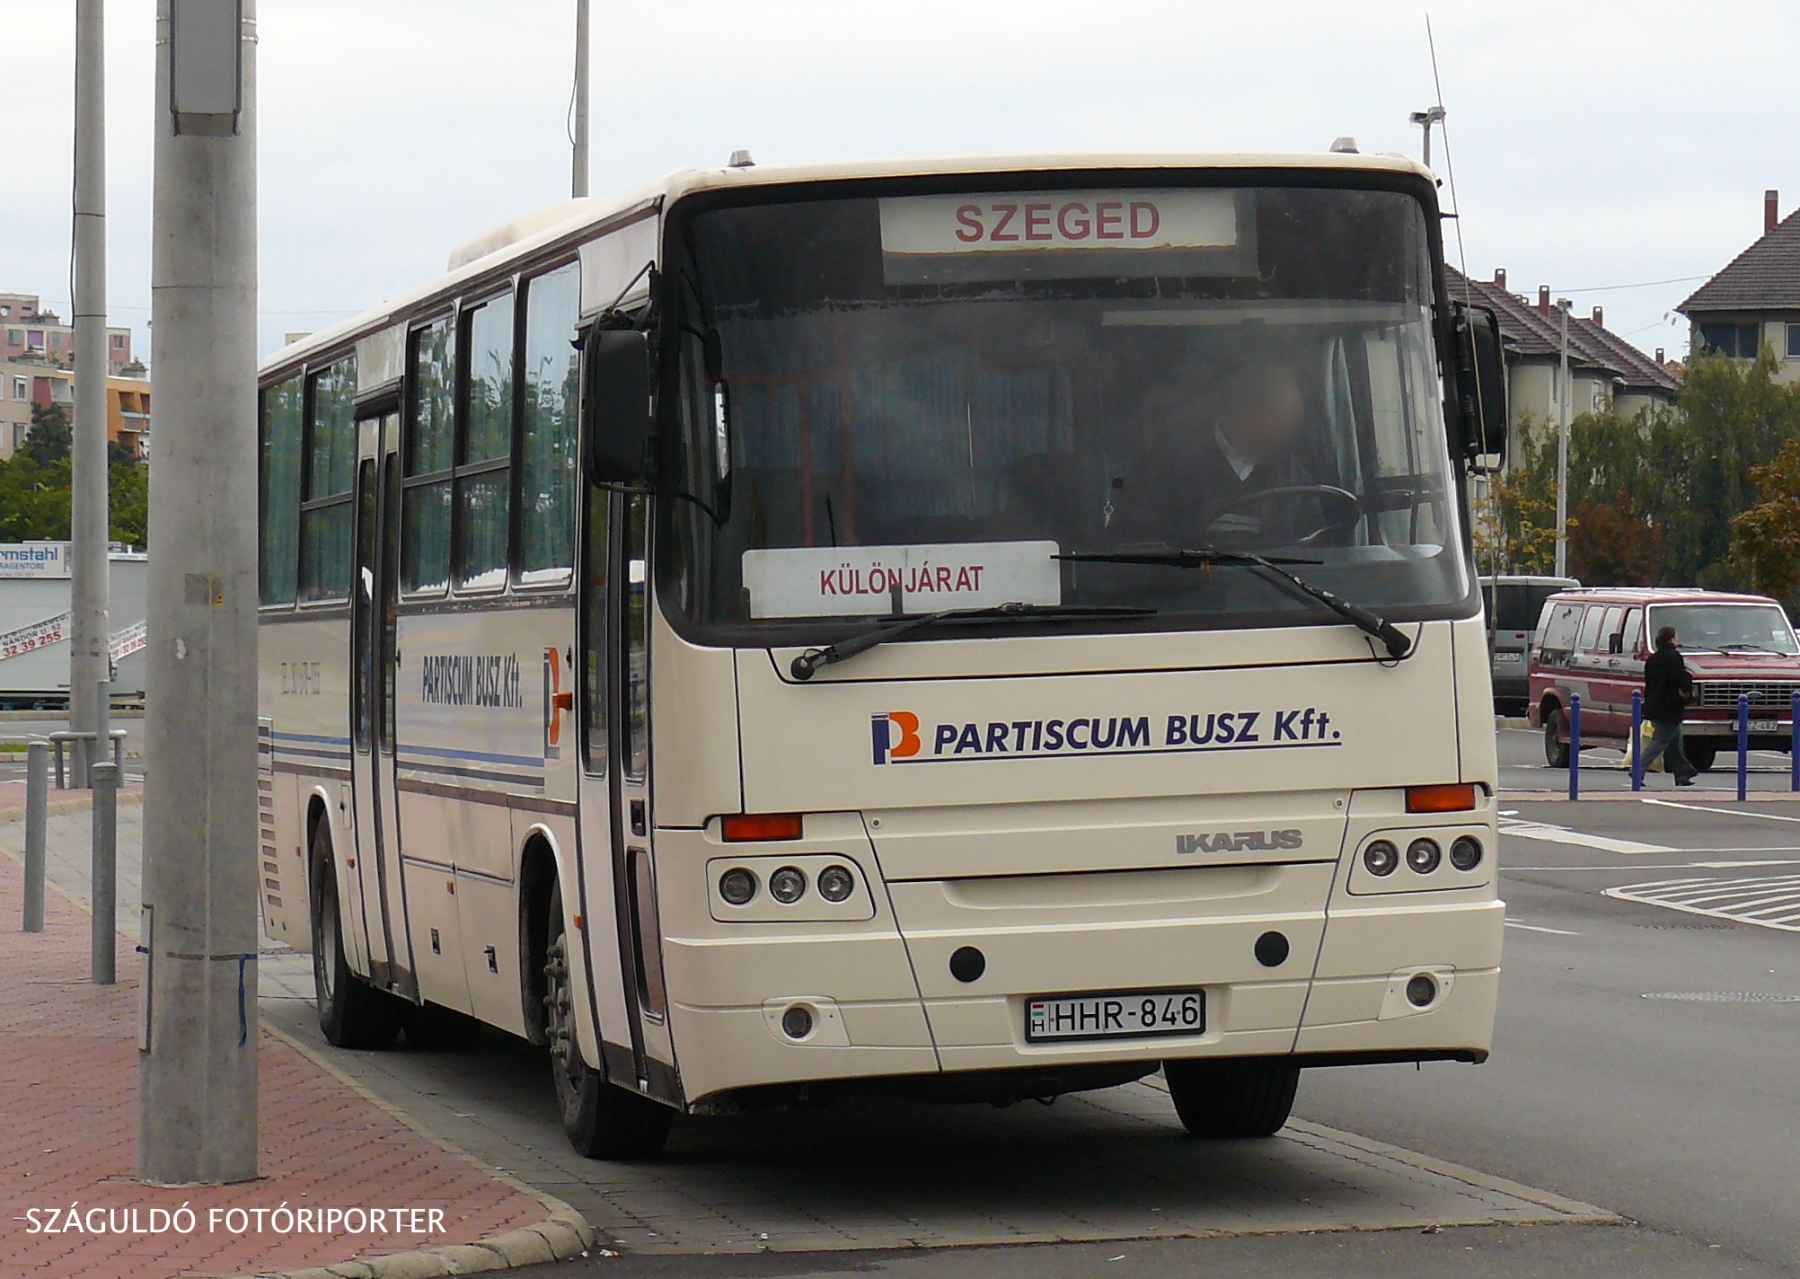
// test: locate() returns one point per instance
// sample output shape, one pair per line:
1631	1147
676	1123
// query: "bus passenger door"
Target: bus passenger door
619	890
375	656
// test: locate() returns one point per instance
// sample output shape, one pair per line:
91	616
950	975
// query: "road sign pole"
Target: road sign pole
197	1063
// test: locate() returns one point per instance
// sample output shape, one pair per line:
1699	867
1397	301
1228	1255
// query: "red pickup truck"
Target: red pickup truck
1593	642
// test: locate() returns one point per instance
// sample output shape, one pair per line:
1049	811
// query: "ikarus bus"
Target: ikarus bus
972	630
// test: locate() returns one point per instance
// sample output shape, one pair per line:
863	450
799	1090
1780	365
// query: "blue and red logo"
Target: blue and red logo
895	735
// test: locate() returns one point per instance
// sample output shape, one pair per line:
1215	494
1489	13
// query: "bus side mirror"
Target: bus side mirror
616	407
1481	373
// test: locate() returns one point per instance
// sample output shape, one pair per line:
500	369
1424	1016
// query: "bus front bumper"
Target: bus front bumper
892	1004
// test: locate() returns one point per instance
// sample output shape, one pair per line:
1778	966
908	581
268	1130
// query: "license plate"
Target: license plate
1125	1015
1765	726
1507	657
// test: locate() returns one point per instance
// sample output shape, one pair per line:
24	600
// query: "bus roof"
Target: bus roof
569	220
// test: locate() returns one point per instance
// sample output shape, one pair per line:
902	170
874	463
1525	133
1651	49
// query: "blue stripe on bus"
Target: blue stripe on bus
527	761
313	737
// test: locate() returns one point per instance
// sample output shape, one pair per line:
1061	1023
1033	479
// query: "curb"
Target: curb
62	807
563	1234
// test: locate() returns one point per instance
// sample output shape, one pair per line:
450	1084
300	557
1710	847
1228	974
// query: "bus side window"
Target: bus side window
280	492
330	469
594	632
428	450
637	640
483	473
551	377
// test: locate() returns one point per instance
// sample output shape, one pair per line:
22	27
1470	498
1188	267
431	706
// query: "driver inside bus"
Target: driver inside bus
1213	467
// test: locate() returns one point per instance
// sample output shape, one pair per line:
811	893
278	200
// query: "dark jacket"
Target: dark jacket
1667	685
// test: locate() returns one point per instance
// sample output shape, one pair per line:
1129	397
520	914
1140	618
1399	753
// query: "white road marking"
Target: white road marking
1768	901
1539	928
1728	812
1563	835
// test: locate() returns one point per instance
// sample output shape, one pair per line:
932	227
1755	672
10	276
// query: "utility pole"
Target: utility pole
1425	119
89	656
1563	397
197	1046
578	184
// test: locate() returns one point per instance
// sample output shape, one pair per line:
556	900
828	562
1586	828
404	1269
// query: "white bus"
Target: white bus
972	630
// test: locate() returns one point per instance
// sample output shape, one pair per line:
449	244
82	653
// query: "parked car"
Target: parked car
1593	642
1513	605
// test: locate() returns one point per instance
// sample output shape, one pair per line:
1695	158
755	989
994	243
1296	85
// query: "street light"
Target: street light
1425	119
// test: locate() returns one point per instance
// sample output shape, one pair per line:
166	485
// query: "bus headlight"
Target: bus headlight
1381	858
787	885
1424	855
737	886
836	883
1465	853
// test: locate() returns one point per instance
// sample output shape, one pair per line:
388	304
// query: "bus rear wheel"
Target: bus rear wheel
1232	1099
603	1120
352	1013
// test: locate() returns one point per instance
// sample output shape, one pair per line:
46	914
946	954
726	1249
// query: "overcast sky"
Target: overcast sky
1596	144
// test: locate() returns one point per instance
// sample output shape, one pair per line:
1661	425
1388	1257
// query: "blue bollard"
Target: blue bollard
1794	744
1743	744
1637	739
1575	746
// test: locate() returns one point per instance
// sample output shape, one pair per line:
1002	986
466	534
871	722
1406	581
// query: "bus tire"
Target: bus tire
603	1120
1701	755
1225	1099
1556	744
352	1013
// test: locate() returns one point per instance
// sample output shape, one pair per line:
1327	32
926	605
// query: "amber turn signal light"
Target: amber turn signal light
1454	797
744	827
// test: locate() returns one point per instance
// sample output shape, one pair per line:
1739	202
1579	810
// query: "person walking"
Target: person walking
1668	688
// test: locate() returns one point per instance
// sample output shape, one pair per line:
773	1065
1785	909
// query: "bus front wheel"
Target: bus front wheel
1232	1099
603	1120
352	1013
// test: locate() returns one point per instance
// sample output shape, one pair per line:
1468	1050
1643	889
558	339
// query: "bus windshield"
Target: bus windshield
913	403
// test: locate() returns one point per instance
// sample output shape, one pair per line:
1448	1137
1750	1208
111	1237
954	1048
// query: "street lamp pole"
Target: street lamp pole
89	657
578	184
1564	396
197	1039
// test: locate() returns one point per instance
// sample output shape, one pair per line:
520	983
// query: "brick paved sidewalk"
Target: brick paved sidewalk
68	1133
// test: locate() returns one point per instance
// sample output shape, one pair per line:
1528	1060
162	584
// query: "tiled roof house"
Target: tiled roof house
1754	302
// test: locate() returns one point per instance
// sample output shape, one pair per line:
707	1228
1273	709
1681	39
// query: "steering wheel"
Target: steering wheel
1348	504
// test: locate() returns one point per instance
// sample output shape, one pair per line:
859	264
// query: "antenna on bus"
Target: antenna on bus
1462	264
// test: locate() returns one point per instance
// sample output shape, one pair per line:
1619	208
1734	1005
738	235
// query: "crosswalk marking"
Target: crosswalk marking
1768	901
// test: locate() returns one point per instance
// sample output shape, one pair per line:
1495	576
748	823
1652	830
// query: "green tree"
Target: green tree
1765	540
129	505
51	435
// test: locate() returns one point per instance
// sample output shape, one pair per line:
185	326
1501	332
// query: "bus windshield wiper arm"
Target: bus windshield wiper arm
805	665
1398	646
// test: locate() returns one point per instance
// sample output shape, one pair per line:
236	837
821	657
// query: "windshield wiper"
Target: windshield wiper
805	665
1754	648
1398	646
